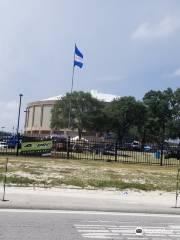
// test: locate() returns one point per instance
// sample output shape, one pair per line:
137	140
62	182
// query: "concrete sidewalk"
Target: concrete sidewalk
92	200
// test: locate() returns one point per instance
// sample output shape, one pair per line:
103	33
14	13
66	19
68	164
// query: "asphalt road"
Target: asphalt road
67	225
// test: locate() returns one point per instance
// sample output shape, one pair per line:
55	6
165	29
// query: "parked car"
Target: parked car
147	148
60	146
172	153
110	150
77	148
12	141
3	145
105	149
136	145
97	148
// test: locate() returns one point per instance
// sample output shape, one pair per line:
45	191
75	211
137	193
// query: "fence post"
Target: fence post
4	184
177	187
68	146
116	151
162	143
162	152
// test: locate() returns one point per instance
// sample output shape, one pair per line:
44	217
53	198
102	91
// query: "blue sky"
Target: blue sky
129	47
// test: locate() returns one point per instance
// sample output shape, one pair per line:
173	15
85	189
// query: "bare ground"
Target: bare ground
50	172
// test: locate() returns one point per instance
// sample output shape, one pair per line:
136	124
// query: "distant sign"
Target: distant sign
36	148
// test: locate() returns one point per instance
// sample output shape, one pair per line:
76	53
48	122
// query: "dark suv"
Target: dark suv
173	153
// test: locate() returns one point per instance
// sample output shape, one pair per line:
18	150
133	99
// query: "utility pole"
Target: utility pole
19	114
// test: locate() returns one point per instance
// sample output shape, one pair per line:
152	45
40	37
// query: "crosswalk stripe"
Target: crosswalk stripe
93	231
95	234
105	231
175	227
98	237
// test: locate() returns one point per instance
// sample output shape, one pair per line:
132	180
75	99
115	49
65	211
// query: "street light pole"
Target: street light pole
19	113
2	132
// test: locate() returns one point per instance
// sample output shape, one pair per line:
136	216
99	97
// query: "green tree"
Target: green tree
161	111
173	126
85	112
123	114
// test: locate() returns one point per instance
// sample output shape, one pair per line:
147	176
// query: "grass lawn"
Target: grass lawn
51	172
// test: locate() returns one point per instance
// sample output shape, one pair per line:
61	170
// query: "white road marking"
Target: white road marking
105	231
96	225
129	231
102	221
99	234
174	235
93	231
89	213
129	234
135	238
124	226
132	238
175	227
100	237
155	235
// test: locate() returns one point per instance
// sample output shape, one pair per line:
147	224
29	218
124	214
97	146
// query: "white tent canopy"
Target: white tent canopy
76	138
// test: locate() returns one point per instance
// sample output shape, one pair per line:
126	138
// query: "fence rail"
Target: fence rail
118	152
109	151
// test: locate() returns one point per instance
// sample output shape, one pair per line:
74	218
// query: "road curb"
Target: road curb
147	210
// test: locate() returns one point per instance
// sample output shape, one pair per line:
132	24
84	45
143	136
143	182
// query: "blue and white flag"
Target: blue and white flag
78	58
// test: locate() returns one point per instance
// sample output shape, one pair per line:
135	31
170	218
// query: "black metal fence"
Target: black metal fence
118	152
107	151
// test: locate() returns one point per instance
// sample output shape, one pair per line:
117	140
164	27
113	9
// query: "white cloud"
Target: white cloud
8	116
174	74
110	79
164	28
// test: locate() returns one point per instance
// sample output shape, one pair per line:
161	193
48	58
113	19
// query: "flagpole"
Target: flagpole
70	102
72	83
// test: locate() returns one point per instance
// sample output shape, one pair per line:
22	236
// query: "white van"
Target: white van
3	145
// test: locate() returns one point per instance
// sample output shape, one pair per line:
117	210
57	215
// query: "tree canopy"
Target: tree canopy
153	119
84	111
162	113
124	113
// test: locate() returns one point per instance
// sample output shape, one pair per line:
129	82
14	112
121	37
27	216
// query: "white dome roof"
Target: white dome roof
103	96
95	93
53	98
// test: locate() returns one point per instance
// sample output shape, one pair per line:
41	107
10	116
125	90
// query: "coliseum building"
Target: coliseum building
38	114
